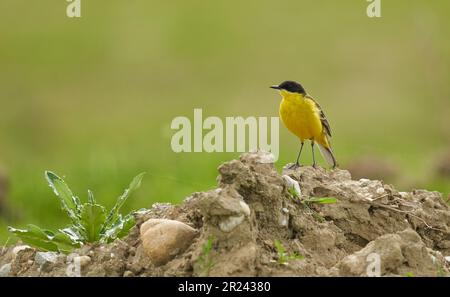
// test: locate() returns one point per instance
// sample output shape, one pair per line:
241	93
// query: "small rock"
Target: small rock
164	239
283	221
5	270
447	259
364	182
292	184
380	191
45	257
225	208
19	248
390	252
128	273
245	208
83	260
70	257
231	222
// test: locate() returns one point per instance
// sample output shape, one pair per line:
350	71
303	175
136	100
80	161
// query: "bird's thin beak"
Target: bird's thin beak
275	87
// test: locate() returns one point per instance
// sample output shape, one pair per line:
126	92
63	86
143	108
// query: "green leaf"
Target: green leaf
324	200
281	251
93	217
119	228
279	247
205	260
65	243
73	233
293	192
36	237
114	213
129	223
70	203
207	247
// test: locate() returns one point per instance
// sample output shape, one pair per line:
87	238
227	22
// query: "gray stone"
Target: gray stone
5	270
45	257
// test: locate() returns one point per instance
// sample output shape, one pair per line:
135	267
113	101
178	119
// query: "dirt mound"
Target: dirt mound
253	224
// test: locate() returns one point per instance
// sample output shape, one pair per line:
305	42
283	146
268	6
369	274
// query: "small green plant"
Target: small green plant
312	200
283	256
205	260
409	274
321	200
90	220
293	192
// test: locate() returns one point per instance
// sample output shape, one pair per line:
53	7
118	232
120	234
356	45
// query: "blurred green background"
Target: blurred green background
93	98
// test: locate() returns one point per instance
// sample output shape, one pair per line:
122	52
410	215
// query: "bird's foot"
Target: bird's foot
314	165
294	166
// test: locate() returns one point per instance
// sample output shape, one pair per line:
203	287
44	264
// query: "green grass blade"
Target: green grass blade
281	251
324	200
65	243
279	247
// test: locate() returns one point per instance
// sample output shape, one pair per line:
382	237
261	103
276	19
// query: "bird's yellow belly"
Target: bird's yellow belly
301	118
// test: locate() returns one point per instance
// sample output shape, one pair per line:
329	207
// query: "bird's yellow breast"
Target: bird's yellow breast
301	116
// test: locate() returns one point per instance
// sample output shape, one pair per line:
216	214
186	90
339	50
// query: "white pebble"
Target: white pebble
230	223
245	208
380	191
292	184
364	182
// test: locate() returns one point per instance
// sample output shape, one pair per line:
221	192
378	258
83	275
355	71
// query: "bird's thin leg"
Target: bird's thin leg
297	164
299	153
313	156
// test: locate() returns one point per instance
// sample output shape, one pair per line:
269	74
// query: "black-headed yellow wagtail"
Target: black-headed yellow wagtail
304	117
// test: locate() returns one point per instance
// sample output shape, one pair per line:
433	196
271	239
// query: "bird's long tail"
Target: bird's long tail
327	154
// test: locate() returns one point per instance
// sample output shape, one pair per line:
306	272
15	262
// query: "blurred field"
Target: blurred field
92	99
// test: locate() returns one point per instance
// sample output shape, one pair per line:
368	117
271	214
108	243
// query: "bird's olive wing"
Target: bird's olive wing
323	118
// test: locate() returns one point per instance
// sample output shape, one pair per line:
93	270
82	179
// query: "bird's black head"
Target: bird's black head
290	86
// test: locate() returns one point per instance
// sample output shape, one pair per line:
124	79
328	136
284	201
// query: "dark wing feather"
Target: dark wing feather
323	118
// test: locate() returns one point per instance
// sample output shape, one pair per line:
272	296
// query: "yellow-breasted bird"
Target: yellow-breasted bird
304	117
